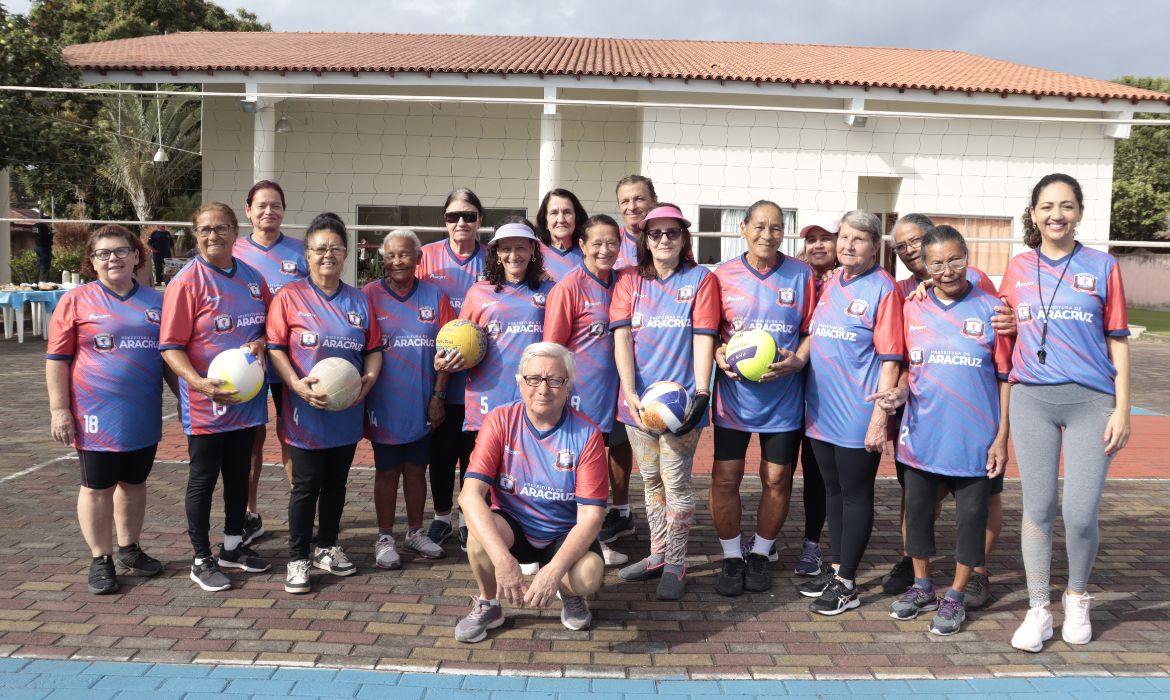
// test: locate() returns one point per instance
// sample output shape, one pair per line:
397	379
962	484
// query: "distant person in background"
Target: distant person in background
44	251
163	245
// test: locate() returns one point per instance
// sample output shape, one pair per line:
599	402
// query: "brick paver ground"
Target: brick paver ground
402	620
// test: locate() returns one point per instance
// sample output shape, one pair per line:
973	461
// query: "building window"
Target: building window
727	220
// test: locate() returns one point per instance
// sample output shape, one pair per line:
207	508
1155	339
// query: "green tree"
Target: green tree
84	21
1141	174
42	136
129	128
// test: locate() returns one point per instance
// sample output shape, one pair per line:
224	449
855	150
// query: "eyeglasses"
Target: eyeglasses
323	251
453	217
939	268
104	254
672	234
553	382
903	247
221	230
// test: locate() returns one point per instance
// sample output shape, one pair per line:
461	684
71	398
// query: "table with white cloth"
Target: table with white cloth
42	304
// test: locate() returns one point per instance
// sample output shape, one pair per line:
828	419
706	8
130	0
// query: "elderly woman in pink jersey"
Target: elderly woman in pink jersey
104	376
665	319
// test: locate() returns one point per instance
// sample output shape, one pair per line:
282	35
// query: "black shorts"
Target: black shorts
525	553
101	470
277	391
777	448
618	436
394	456
996	483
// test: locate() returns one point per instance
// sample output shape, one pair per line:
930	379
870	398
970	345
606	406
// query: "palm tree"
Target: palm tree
129	126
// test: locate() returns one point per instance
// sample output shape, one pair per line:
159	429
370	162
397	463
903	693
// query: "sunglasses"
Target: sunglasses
453	217
672	234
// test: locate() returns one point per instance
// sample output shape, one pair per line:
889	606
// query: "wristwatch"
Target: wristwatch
440	395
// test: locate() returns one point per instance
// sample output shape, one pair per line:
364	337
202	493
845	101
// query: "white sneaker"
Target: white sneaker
1034	630
612	557
385	553
334	561
1077	629
418	542
530	568
297	580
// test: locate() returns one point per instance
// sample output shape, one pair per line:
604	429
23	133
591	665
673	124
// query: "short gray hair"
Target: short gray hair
864	221
403	233
920	221
555	351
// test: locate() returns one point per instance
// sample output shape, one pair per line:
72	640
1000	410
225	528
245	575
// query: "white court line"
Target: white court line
42	465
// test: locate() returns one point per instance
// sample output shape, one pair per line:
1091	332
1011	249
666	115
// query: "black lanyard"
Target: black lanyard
1042	353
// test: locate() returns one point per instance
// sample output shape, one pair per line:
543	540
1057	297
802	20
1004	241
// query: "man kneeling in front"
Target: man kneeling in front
546	468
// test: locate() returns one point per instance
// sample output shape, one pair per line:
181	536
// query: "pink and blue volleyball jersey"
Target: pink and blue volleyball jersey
512	319
974	276
576	315
454	276
956	360
558	263
280	263
540	477
628	254
310	325
116	371
206	311
1089	306
663	316
856	326
396	408
780	302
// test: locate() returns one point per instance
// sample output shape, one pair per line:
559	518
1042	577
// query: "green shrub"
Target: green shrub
24	266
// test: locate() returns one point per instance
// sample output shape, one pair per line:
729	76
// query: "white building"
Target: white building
716	125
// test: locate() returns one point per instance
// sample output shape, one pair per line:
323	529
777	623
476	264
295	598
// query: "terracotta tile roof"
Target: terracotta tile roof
912	69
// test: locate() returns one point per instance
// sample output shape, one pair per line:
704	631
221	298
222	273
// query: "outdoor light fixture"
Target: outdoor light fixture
283	125
160	156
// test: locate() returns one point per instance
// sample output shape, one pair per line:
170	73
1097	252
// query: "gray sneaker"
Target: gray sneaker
483	617
913	601
334	561
949	618
209	577
978	591
385	554
575	614
418	542
641	570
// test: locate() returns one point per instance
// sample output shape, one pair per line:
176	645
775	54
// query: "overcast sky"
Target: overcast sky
1096	38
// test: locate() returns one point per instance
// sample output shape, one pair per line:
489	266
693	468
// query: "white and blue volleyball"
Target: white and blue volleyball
665	406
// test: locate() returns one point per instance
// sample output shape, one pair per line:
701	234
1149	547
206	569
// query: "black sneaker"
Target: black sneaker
757	579
615	526
815	586
102	580
900	577
253	527
132	561
729	582
836	599
242	558
209	577
439	531
461	533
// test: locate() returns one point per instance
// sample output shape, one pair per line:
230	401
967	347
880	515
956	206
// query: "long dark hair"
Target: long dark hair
580	215
493	269
1032	236
686	256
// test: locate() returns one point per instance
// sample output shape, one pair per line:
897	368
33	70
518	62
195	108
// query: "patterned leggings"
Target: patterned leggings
665	465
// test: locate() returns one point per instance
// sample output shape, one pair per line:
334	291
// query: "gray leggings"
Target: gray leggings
1042	417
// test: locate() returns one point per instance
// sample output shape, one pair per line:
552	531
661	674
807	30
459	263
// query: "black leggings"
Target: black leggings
317	475
849	474
814	492
971	494
228	453
449	445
